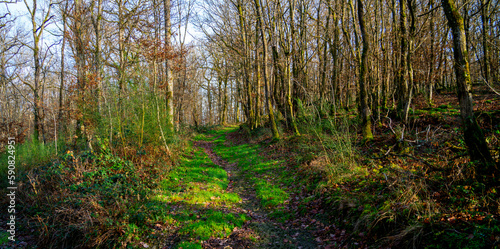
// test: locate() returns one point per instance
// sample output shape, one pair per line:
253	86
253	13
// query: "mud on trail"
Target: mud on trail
260	231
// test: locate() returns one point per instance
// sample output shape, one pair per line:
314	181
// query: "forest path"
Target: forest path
255	188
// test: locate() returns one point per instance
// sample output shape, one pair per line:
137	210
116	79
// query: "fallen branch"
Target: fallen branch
387	152
488	84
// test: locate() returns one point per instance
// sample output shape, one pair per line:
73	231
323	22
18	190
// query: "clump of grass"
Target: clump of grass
29	155
330	144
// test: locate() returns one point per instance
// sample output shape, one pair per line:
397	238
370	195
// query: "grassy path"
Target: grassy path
223	196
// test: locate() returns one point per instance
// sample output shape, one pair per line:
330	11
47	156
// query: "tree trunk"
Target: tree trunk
473	135
269	105
258	102
333	49
97	23
404	84
61	86
37	31
38	129
169	95
485	4
77	30
363	84
224	103
430	76
250	109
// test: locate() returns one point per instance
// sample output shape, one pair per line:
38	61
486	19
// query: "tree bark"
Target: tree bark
473	135
485	22
363	84
61	86
169	95
404	83
260	24
79	47
37	31
430	76
246	75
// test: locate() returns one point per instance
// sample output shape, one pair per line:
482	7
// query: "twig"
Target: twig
430	11
390	126
427	133
488	84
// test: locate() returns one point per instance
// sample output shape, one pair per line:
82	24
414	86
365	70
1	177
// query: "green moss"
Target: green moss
367	131
189	245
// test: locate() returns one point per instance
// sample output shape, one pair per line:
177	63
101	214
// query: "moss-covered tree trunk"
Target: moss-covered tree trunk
473	135
333	47
363	86
224	97
289	68
404	84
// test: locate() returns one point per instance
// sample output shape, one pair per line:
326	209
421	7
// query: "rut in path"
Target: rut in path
268	234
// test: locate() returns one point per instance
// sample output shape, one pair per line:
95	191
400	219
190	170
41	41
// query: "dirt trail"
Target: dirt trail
265	232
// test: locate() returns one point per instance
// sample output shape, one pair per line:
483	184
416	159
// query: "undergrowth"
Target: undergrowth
413	192
83	201
86	199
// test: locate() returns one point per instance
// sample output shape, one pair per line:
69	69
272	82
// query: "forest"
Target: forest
250	124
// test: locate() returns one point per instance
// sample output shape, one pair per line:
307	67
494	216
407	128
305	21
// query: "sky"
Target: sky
17	8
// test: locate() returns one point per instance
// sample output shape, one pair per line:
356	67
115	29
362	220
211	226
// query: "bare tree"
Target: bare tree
37	31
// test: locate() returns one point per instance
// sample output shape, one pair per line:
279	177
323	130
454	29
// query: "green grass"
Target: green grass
189	245
213	223
202	137
436	111
28	155
256	169
193	197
